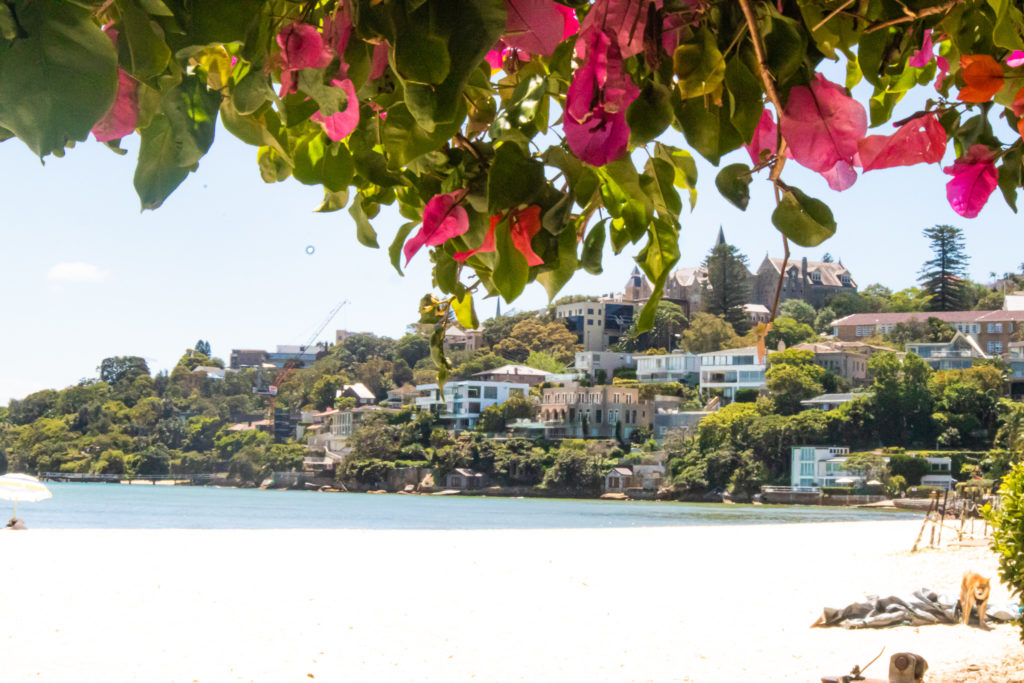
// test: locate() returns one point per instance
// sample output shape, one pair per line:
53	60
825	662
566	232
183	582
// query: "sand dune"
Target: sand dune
725	603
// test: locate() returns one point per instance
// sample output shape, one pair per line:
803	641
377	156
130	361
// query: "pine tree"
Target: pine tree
943	277
728	285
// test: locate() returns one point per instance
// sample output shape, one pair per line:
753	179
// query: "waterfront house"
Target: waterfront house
591	363
598	323
958	353
730	370
808	466
211	371
461	403
991	330
669	367
464	479
828	401
572	410
846	359
360	392
513	373
618	479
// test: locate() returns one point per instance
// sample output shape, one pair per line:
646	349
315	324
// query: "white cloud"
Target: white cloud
77	272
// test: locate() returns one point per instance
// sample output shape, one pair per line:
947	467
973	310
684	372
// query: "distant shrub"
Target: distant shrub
746	395
837	490
978	484
1007	540
924	491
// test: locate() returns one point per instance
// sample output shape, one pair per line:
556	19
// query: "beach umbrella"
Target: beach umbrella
22	487
845	481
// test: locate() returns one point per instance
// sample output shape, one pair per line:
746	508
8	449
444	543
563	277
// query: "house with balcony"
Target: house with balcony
669	367
522	374
599	323
958	353
993	331
846	359
574	411
591	363
460	405
820	466
730	370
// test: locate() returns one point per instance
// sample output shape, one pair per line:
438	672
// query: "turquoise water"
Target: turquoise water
115	506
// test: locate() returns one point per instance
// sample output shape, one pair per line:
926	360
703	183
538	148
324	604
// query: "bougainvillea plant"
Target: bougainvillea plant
517	136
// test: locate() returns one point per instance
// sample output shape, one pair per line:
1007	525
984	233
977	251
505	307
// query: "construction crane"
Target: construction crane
271	390
290	365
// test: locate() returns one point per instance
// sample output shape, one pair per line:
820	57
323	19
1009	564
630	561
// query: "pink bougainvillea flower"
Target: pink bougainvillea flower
303	47
595	113
840	177
523	226
1015	59
924	56
339	125
123	114
379	62
942	65
974	179
983	78
766	138
538	26
919	141
623	21
443	219
821	125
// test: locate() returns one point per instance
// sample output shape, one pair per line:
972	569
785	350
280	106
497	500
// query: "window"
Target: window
995	347
995	328
490	392
615	398
807	469
473	392
865	330
589	321
816	277
845	279
590	311
743	360
597	417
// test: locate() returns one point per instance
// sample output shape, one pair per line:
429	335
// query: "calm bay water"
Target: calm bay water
114	506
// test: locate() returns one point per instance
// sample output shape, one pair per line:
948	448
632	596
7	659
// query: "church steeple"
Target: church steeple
721	237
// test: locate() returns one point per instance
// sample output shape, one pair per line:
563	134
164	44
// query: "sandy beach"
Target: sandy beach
705	603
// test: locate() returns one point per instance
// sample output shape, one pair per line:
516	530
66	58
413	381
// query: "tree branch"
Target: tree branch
913	16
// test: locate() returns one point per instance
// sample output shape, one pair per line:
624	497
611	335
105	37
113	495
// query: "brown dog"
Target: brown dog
974	591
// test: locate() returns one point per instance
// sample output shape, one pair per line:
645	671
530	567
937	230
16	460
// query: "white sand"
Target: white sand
664	604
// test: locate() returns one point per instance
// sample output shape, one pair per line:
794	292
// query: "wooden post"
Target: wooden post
942	515
921	532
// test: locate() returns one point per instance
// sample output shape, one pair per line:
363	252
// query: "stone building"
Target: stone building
810	281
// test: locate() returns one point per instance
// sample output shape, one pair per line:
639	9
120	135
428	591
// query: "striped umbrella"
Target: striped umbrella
22	487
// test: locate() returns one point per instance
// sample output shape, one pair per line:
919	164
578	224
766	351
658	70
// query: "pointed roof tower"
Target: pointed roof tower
721	236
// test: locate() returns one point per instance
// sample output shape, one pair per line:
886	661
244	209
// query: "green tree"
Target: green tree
669	322
535	335
412	348
116	369
542	360
901	401
942	277
709	333
728	285
823	321
790	332
793	377
799	310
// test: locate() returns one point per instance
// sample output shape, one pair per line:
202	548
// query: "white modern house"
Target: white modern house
463	402
669	367
590	362
958	353
731	370
817	466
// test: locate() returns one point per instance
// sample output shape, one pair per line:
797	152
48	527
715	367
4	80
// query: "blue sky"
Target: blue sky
85	275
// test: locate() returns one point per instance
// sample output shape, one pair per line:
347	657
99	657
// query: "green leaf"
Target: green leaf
707	129
1008	31
333	201
785	46
464	312
662	190
685	168
421	57
9	29
656	259
511	272
649	114
474	26
733	182
745	101
437	355
251	92
223	21
365	233
514	179
593	249
58	80
1010	176
804	220
405	140
192	109
395	250
158	172
699	66
143	51
559	270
